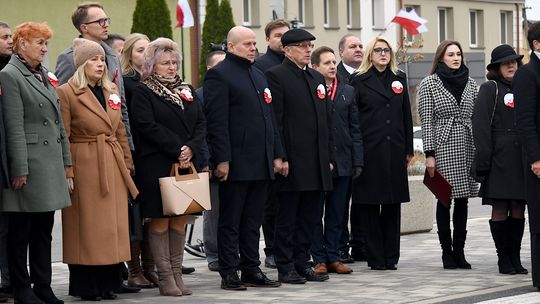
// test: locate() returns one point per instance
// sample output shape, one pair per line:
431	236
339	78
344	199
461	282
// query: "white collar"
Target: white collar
537	54
349	68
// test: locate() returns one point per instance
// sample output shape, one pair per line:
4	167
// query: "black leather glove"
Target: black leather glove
356	172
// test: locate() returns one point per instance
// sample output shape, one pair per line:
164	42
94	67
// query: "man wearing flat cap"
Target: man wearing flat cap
302	113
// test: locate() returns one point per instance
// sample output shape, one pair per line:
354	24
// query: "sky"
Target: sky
534	12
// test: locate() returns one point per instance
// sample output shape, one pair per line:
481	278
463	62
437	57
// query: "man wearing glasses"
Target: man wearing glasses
92	22
302	112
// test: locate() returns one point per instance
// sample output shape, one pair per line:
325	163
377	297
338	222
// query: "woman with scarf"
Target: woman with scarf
499	158
169	127
384	112
445	107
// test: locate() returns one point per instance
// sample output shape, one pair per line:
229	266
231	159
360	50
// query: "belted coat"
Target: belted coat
95	227
447	130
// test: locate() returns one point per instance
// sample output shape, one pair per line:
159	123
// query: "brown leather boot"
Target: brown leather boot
147	261
159	243
176	247
135	272
338	267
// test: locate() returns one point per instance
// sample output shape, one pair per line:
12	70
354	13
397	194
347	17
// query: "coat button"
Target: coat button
56	121
387	137
388	121
41	105
45	142
388	105
58	140
45	122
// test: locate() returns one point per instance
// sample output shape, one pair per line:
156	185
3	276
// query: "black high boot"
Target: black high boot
501	236
516	235
458	245
445	238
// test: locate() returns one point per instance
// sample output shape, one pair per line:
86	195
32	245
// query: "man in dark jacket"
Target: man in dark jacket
6	50
351	52
274	56
303	116
526	87
245	146
349	161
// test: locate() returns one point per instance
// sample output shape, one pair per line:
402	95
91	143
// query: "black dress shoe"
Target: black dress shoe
358	255
91	298
313	276
7	290
3	298
46	295
213	266
258	279
345	257
128	289
187	270
27	296
291	277
108	295
378	267
391	267
231	281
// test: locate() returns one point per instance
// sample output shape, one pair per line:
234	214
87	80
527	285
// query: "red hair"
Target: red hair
28	30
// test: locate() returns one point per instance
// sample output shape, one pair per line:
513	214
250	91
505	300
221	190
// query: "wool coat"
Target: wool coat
65	68
161	130
386	125
499	155
35	139
303	114
447	130
270	59
526	88
95	228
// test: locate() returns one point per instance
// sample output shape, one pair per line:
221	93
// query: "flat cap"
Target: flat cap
296	35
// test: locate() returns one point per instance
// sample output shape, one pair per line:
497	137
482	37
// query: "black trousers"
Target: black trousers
269	223
241	215
535	259
95	280
382	226
358	236
30	232
297	215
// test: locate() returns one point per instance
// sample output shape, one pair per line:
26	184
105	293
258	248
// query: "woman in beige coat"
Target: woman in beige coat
95	227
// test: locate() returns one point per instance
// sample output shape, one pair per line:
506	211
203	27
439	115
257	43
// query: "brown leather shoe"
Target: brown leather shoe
320	268
338	267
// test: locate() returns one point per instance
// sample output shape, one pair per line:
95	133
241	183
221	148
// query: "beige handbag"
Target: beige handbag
185	194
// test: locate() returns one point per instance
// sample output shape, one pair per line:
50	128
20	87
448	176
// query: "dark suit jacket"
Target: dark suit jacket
270	59
241	124
304	120
386	124
526	88
342	71
346	132
204	153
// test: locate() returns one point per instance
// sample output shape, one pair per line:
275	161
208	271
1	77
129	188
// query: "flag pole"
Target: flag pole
182	51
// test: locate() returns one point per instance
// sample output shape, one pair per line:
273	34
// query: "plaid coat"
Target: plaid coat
447	130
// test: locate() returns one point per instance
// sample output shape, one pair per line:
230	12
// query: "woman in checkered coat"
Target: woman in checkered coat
446	106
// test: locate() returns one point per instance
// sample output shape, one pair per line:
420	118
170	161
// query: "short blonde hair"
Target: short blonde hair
367	64
81	81
125	58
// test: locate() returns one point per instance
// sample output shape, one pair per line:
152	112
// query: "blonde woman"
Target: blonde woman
95	227
382	97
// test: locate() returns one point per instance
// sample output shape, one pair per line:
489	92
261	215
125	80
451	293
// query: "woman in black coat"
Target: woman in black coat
386	124
499	158
170	127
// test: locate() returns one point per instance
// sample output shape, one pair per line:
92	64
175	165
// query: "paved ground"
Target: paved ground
419	279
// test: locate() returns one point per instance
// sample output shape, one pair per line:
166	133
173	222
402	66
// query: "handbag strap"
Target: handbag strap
495	103
182	177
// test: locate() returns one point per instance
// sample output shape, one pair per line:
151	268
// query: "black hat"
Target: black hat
296	35
502	53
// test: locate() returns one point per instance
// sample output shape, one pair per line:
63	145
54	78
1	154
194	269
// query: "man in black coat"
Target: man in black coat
274	56
351	51
526	87
6	44
303	116
349	157
246	149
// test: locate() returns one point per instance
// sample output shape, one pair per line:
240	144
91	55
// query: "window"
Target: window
305	13
410	38
247	12
506	27
353	14
326	8
349	13
301	11
443	24
377	14
476	35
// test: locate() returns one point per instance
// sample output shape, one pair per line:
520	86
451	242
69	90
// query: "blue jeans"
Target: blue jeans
326	240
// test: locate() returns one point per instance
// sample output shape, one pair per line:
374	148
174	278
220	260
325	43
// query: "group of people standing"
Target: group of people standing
292	133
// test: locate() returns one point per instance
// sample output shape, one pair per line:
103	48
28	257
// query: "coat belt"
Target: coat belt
449	124
101	140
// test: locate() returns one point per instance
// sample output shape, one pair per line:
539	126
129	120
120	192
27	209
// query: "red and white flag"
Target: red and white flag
183	14
411	22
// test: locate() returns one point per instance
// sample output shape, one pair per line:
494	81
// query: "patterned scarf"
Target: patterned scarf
168	89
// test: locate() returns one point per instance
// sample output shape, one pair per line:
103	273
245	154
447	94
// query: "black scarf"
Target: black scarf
384	76
454	81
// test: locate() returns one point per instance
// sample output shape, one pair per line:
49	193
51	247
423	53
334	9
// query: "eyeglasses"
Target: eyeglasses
102	21
304	45
381	50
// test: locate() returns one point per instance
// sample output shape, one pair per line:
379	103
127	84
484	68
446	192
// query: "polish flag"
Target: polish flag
411	22
183	14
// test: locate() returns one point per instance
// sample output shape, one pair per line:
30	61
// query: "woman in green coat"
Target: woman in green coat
37	154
